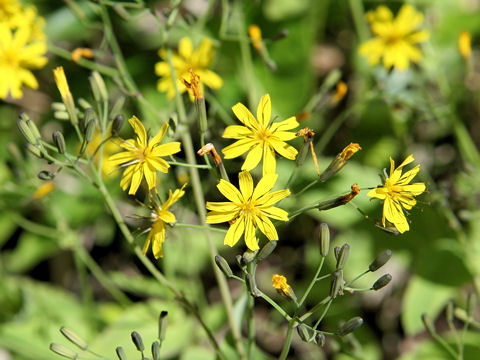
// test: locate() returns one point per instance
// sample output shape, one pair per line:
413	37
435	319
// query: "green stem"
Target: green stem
356	278
323	314
315	308
274	304
288	340
302	210
314	280
358	14
250	316
202	227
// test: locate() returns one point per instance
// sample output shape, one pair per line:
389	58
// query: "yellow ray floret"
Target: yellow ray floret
395	39
398	194
260	137
248	209
142	157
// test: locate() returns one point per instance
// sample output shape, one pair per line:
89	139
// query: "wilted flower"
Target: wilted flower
339	161
279	282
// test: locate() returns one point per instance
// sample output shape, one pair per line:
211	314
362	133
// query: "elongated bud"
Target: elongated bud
382	282
223	266
350	326
26	132
137	340
320	339
343	256
266	250
449	311
63	351
88	114
33	128
336	251
162	325
98	87
45	175
59	141
73	337
156	350
61	115
248	256
427	322
117	107
84	103
34	150
58	106
303	333
251	285
324	240
337	284
471	303
117	124
122	355
90	130
380	260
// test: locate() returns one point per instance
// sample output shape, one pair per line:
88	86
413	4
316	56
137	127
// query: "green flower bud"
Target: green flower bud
84	103
449	311
61	115
324	240
223	266
380	260
251	285
90	130
303	333
427	322
137	340
156	350
88	114
382	282
74	338
266	250
45	175
471	303
117	124
117	107
302	154
63	351
59	141
350	326
320	339
336	251
337	284
98	87
239	260
122	355
34	130
248	256
343	256
26	132
58	106
162	325
34	150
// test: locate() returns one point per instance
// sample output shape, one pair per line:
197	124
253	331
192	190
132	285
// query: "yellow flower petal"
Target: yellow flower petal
272	198
246	184
230	191
236	132
264	110
157	138
245	116
250	239
150	175
284	149
253	157
275	213
269	161
158	238
136	179
265	184
222	206
158	163
139	131
214	217
238	148
166	149
234	232
266	227
167	216
185	47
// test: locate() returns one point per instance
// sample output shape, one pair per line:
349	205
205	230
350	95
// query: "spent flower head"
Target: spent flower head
260	137
279	282
248	208
142	157
396	38
397	194
198	60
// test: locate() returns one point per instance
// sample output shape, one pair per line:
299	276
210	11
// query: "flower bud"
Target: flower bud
74	338
303	333
58	106
26	132
33	128
427	322
122	355
343	256
88	114
117	124
162	325
223	266
84	103
45	175
98	87
320	339
63	351
336	251
90	130
59	141
449	311
382	282
248	256
251	285
137	340
117	107
34	150
380	260
324	240
61	115
239	260
337	284
471	303
156	350
266	250
350	326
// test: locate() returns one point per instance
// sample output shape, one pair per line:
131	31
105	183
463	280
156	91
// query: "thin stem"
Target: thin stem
250	315
288	340
198	166
274	304
302	210
314	280
315	308
202	227
323	314
358	277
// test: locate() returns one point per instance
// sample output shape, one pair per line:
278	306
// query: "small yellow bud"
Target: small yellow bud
465	44
340	92
256	35
78	53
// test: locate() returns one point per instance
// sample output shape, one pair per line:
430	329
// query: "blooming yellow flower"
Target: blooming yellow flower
8	8
260	137
465	44
142	158
17	56
187	58
279	282
248	209
397	194
161	216
395	38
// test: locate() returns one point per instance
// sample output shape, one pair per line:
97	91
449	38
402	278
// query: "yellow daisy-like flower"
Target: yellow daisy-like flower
395	39
142	158
198	60
160	217
17	56
8	8
398	194
248	209
260	137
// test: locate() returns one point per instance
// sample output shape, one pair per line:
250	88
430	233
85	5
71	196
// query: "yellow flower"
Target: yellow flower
255	34
187	58
340	91
8	8
279	282
109	147
465	44
395	38
397	194
17	56
260	137
248	209
62	85
142	158
161	216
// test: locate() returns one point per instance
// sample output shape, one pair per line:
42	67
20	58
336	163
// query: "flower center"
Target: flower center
263	134
249	208
392	38
10	58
